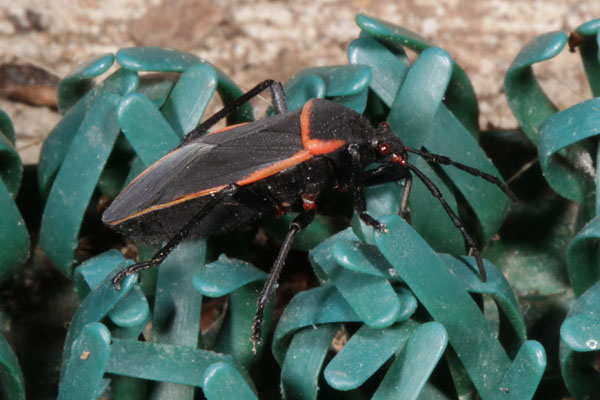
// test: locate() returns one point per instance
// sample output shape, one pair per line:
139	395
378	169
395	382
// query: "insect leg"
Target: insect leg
278	99
437	158
352	179
162	254
384	173
300	222
457	222
405	196
391	173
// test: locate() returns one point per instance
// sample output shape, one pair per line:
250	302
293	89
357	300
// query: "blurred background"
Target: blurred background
254	40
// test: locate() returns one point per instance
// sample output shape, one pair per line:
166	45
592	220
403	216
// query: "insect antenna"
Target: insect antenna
457	222
437	158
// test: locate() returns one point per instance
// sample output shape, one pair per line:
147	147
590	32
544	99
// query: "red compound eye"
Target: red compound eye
385	124
384	149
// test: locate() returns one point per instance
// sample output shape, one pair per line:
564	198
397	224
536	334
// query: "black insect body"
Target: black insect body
222	180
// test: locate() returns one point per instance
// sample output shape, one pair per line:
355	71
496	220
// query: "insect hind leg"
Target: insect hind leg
277	98
188	228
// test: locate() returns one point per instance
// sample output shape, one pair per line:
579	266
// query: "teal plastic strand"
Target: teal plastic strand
96	305
12	385
373	298
316	306
460	97
387	69
176	321
580	343
448	302
177	305
81	80
412	116
361	257
356	102
322	305
244	282
587	38
14	250
345	84
6	128
581	329
409	372
162	362
170	60
582	258
416	104
76	181
596	208
157	87
304	360
525	373
132	311
567	167
526	98
82	377
189	98
340	80
298	91
365	353
235	334
222	381
225	275
488	202
58	143
11	168
500	291
146	129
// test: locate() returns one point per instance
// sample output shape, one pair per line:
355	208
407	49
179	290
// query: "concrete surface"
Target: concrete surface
254	40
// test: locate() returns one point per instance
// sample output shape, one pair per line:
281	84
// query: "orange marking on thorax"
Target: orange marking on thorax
315	146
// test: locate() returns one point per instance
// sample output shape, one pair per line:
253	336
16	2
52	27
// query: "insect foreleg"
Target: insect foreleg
391	173
439	159
351	178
